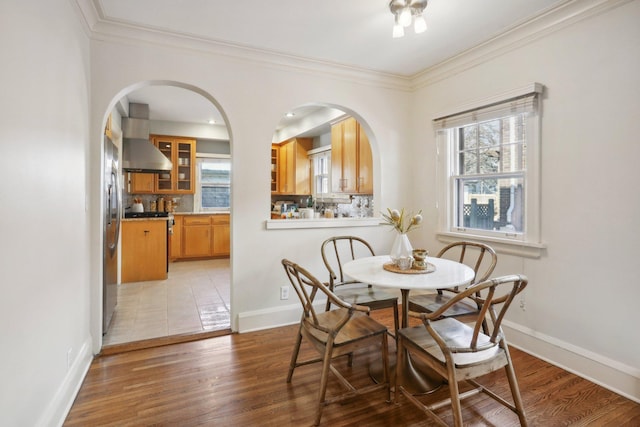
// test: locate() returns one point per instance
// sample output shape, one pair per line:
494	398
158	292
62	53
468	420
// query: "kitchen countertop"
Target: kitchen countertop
202	213
165	218
176	213
279	224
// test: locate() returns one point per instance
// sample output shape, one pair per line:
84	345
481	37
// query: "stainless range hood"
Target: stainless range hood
139	154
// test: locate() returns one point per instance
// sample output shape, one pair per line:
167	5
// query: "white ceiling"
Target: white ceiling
352	33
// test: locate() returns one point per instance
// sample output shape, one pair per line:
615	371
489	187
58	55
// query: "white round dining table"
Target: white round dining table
447	274
416	378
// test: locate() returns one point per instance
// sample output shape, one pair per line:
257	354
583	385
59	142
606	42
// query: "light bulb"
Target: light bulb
398	31
405	17
419	24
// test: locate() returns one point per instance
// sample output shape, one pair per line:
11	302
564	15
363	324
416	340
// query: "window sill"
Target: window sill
501	245
282	224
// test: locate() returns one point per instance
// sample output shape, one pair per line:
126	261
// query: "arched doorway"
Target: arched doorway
192	300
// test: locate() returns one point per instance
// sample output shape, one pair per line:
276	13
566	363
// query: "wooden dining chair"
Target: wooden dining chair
479	256
340	249
334	333
459	352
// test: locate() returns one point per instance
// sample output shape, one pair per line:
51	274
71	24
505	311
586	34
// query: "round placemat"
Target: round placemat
389	266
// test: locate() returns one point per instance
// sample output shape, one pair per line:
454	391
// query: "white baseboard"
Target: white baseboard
610	374
60	405
272	317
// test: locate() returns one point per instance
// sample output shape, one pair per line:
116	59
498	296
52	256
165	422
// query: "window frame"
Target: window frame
314	156
198	187
528	243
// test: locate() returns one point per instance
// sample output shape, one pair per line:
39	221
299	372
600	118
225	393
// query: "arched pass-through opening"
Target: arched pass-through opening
191	300
324	161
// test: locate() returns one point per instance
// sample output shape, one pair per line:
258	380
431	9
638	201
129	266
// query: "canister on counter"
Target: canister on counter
167	205
152	206
160	204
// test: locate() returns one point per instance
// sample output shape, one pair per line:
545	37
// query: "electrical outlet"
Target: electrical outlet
69	360
284	292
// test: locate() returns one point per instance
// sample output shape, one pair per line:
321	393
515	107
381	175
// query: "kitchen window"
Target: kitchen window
489	157
321	172
213	183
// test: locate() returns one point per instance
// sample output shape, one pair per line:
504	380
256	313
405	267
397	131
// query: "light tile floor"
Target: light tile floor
194	298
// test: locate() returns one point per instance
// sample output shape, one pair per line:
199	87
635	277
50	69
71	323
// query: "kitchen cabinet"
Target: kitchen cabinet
180	180
175	240
365	163
221	235
142	183
182	153
351	159
293	166
274	168
201	236
196	236
144	250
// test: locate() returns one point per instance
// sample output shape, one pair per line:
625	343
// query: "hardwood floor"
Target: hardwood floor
239	380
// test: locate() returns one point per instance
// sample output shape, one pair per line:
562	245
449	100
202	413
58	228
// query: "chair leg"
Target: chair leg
454	391
324	379
294	355
515	390
399	362
396	325
385	364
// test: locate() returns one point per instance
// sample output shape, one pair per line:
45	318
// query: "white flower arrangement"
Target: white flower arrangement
398	220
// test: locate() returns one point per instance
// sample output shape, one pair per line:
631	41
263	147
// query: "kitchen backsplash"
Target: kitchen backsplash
182	203
349	206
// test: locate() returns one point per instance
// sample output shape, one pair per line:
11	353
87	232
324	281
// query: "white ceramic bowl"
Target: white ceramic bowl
181	176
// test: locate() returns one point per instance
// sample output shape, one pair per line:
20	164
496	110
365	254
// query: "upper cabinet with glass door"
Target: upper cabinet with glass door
182	153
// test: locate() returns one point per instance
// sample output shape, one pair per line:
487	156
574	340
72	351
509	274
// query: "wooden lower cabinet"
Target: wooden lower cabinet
144	250
175	240
200	236
196	237
221	235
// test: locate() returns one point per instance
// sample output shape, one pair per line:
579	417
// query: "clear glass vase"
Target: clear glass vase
401	251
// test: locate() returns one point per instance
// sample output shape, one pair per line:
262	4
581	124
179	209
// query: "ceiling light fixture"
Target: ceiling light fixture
211	121
406	11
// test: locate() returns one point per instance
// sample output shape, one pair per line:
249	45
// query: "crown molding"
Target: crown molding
86	14
102	29
517	36
521	34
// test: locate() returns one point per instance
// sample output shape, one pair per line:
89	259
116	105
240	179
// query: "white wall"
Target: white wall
254	97
581	305
44	251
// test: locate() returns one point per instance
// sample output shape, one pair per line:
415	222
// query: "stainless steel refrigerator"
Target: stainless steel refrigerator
111	232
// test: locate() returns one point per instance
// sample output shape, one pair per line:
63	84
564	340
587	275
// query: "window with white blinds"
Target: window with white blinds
489	158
